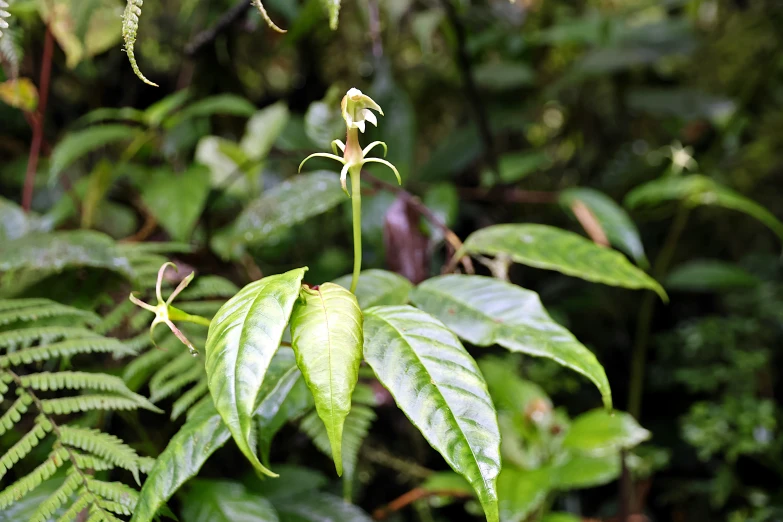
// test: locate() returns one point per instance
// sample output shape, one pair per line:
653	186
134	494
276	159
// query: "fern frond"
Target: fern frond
116	492
65	349
169	388
140	368
23	310
183	362
115	317
139	342
10	51
99	514
14	339
81	503
140	319
108	447
83	403
58	499
189	398
203	308
32	480
130	26
24	445
15	412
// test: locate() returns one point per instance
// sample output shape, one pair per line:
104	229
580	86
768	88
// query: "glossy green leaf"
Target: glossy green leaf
551	248
709	275
287	405
225	501
486	311
585	471
185	454
57	251
77	144
229	104
176	200
695	190
615	222
263	129
243	337
439	387
378	287
326	334
521	492
265	219
333	8
599	432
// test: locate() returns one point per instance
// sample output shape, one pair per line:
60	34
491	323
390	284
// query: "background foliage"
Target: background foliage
663	119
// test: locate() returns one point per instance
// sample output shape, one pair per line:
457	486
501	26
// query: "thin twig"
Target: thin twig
223	24
38	121
451	237
590	223
412	496
471	91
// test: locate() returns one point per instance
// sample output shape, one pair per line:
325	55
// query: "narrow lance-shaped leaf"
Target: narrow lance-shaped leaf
79	143
486	311
439	387
615	222
551	248
326	333
244	335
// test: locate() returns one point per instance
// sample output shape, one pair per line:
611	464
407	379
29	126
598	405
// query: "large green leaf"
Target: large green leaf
551	248
15	222
273	414
599	432
79	143
439	387
265	219
225	501
615	222
243	337
586	471
263	129
202	434
486	311
57	251
176	200
378	287
709	275
695	190
521	492
326	334
219	104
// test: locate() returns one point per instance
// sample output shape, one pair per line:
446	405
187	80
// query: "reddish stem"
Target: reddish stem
38	121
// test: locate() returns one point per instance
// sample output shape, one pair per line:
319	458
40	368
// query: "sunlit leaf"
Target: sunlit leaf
439	387
695	190
599	432
551	248
584	471
268	217
378	287
615	222
20	93
263	129
521	492
228	104
82	39
486	311
709	275
176	199
243	337
77	144
326	335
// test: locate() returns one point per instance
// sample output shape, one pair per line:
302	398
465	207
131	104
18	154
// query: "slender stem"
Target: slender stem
356	205
175	314
644	319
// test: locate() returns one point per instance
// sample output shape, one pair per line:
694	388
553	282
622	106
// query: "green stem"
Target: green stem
645	317
175	314
356	205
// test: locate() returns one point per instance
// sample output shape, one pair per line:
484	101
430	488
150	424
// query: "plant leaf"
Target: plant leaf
243	337
229	104
551	248
263	128
599	432
521	492
695	190
176	200
615	222
486	311
378	287
77	144
326	334
202	434
319	507
15	223
585	471
294	201
709	275
225	501
439	387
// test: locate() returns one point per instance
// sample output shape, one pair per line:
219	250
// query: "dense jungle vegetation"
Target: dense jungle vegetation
401	260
